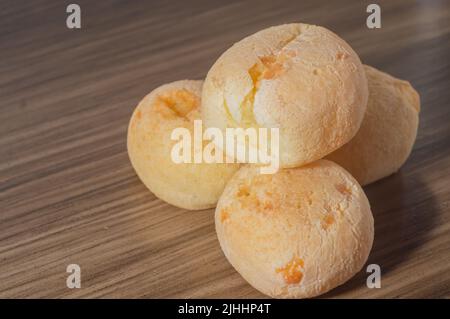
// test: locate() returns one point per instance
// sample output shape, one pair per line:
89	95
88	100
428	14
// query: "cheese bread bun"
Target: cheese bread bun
297	233
387	133
186	185
302	79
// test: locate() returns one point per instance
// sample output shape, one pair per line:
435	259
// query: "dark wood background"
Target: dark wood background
68	193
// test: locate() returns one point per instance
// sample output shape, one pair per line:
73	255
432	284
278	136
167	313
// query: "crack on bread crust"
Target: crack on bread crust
180	102
267	68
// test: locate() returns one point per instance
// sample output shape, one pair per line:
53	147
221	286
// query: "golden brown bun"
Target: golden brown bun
190	186
301	78
387	133
297	233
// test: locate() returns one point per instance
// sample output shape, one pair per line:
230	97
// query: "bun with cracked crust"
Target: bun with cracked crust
301	78
297	233
190	185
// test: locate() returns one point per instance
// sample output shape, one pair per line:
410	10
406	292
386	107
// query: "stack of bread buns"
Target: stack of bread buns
307	228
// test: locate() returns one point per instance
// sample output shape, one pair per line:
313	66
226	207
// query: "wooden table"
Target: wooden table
68	193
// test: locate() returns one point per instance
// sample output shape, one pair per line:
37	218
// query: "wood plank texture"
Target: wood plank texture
68	193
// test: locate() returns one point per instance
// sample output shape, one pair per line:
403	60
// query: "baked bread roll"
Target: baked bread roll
190	185
300	78
297	233
387	133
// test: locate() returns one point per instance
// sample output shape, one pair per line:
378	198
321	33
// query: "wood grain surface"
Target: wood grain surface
68	193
